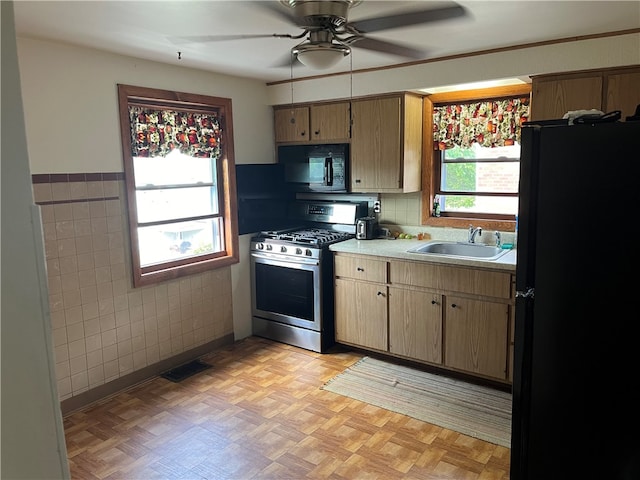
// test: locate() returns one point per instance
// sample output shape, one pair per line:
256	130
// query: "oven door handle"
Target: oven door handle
278	261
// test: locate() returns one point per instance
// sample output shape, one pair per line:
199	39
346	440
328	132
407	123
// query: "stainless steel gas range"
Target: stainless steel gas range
292	273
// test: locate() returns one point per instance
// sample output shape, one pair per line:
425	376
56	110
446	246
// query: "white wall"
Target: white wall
585	54
71	103
72	123
33	445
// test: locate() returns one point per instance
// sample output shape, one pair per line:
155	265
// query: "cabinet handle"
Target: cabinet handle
317	132
380	293
453	305
433	302
303	134
360	269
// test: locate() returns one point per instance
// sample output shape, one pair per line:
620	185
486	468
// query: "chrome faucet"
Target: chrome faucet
498	239
473	232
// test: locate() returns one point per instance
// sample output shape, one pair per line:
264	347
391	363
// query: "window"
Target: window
473	174
180	179
478	182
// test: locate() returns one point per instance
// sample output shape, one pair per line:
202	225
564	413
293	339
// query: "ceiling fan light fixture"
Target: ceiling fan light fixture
320	56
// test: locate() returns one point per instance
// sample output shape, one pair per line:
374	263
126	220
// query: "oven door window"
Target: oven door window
285	291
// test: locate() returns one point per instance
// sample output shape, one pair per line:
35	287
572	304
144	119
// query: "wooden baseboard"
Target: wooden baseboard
108	389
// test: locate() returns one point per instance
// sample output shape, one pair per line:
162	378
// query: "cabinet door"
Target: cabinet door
376	146
291	124
552	98
415	324
476	336
361	314
331	122
623	93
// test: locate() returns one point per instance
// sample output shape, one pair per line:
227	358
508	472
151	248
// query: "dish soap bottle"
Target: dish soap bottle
436	206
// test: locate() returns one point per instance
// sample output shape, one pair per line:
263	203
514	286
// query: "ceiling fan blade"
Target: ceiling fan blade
388	47
286	61
408	18
221	38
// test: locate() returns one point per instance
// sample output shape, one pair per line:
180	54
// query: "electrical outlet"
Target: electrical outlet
376	206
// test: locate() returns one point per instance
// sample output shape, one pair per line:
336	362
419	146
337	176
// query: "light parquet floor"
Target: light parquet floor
259	413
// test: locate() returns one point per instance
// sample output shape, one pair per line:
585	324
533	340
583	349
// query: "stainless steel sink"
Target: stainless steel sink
460	249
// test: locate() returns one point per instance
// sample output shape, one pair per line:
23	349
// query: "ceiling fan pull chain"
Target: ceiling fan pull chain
291	60
351	76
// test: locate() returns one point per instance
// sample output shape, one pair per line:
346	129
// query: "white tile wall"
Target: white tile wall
103	328
400	208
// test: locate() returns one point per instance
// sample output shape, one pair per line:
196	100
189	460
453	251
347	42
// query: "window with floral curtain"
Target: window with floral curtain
492	123
179	173
476	163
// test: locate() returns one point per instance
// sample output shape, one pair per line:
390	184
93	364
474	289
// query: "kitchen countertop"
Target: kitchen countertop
398	249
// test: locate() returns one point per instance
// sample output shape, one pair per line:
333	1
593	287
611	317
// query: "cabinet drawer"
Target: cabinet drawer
361	268
453	279
416	274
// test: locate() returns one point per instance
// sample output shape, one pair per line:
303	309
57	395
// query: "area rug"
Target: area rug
478	411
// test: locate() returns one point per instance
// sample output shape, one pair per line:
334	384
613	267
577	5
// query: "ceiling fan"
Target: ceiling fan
329	35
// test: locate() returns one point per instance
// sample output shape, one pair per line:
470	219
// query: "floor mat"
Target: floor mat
185	371
473	410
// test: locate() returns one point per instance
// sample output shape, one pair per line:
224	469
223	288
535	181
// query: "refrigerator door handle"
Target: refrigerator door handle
529	293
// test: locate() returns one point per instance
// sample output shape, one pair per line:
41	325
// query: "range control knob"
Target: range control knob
308	252
269	246
260	246
283	249
298	251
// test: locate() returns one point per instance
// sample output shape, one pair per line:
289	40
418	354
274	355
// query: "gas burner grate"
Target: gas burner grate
307	236
314	236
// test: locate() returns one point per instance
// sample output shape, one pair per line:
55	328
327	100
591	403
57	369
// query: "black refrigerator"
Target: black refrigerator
576	406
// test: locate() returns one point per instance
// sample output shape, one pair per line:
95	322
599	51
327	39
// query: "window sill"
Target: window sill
144	279
457	222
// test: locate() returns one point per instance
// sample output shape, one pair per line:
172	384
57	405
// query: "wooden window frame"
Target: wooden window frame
170	100
431	158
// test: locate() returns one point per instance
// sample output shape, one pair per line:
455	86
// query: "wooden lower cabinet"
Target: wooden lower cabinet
415	324
457	318
476	336
361	313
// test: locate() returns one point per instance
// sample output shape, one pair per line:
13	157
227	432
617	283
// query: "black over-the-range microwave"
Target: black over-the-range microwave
315	168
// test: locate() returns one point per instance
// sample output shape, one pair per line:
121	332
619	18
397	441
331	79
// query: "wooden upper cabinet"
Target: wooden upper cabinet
606	90
386	144
331	122
291	124
328	123
623	92
552	97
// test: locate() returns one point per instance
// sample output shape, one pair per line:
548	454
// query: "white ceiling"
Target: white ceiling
142	29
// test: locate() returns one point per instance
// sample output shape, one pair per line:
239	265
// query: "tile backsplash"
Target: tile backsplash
103	328
402	212
400	208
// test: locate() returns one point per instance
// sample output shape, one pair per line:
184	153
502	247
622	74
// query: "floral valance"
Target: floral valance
155	133
493	123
